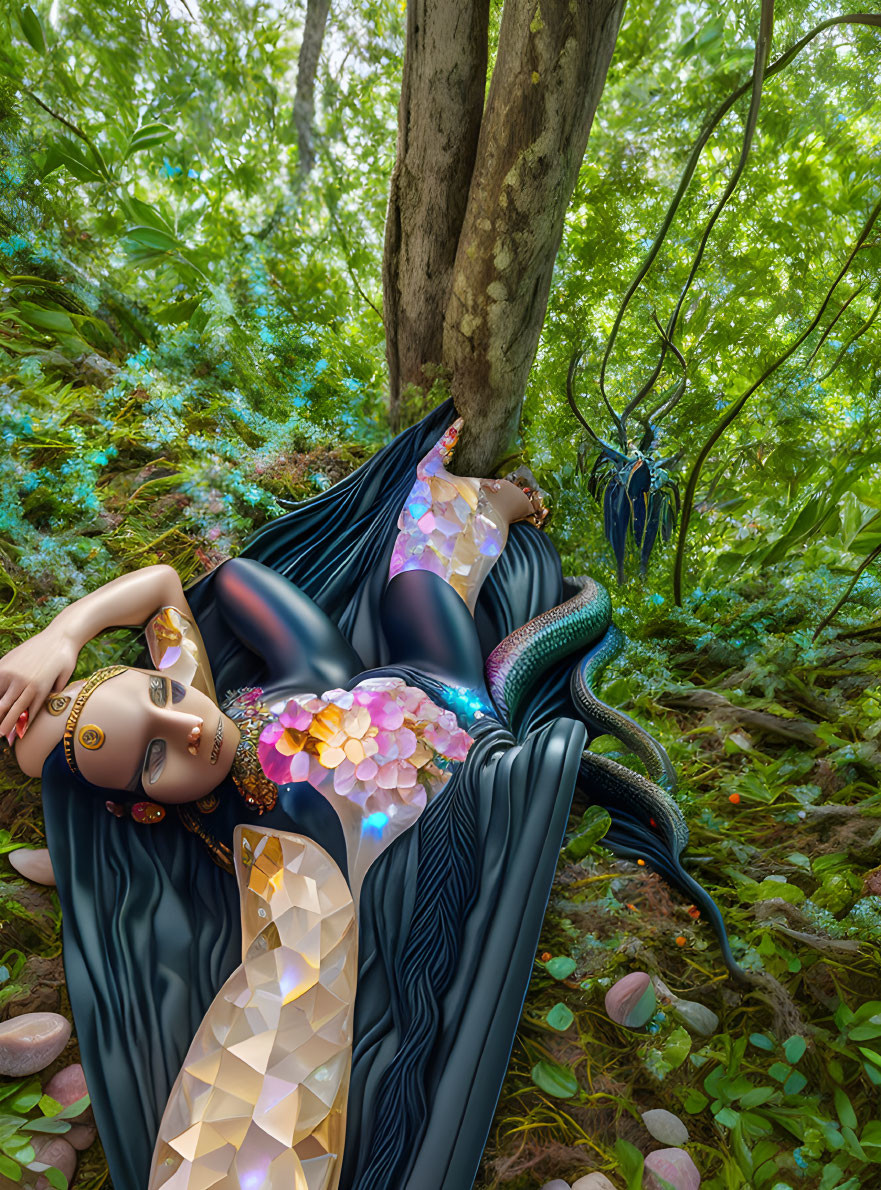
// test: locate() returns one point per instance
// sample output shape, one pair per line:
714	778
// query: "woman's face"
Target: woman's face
147	733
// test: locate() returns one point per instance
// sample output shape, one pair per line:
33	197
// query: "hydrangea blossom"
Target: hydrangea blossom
385	743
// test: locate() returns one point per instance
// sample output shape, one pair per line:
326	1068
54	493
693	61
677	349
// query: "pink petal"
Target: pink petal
406	743
300	765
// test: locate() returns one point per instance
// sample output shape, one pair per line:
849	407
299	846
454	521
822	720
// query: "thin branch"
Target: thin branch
850	342
570	396
859	18
763	49
650	383
822	339
668	403
83	136
866	562
737	406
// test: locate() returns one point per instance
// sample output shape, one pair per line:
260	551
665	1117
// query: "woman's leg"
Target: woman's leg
427	625
302	647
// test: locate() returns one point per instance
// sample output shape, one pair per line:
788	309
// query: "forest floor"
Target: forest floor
775	740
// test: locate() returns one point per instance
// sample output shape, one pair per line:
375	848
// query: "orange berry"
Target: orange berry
734	798
630	905
694	911
641	862
681	940
545	956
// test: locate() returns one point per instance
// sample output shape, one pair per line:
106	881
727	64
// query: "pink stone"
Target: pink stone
81	1136
631	1001
34	864
56	1151
68	1085
31	1042
674	1166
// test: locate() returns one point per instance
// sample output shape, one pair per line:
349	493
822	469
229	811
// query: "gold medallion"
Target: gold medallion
90	736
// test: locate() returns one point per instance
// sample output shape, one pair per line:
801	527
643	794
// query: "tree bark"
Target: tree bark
303	116
439	114
550	70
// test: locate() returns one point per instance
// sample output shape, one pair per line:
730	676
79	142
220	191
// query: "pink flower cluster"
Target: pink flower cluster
386	743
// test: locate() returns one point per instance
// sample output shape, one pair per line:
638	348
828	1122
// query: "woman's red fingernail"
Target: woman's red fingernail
21	725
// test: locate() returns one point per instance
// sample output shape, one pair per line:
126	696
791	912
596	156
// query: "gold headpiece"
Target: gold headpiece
99	676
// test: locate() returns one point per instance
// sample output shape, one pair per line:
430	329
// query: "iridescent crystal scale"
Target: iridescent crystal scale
447	525
379	753
260	1100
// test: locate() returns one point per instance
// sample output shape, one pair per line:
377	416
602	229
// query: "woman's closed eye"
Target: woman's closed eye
154	762
159	691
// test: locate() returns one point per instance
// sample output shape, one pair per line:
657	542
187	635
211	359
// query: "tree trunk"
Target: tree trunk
486	275
439	116
550	71
303	116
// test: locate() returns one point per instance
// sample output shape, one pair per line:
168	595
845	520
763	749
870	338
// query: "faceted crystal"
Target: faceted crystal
448	526
260	1101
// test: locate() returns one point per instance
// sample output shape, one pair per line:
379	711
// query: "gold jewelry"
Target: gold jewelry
91	736
57	704
251	715
98	677
219	852
524	479
147	813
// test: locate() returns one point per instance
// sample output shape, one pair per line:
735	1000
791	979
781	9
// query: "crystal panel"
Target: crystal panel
260	1101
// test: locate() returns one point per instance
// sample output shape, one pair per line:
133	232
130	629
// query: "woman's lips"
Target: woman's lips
195	739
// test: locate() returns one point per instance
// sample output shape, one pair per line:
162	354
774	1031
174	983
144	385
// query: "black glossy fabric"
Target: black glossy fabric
151	925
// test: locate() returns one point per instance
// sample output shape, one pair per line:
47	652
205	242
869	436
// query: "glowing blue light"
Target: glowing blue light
374	822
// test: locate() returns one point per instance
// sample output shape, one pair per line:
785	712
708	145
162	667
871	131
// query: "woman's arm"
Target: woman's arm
44	663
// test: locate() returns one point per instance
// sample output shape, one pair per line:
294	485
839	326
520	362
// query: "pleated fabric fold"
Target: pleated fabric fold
151	925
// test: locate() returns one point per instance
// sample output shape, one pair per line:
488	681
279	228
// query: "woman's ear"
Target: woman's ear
45	730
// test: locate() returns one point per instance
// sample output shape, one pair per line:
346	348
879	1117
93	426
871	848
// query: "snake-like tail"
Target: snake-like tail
606	720
647	824
515	662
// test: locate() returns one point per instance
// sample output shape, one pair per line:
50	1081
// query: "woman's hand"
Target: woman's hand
29	673
44	664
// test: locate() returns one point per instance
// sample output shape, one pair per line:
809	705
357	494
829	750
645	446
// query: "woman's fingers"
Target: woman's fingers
10	719
14	687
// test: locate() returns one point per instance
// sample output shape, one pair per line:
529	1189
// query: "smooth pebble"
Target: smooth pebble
32	1042
68	1085
631	1000
34	864
56	1151
665	1127
556	1184
696	1017
674	1166
593	1181
81	1136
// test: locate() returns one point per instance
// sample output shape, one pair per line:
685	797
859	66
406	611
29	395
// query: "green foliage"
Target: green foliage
24	1113
809	184
189	337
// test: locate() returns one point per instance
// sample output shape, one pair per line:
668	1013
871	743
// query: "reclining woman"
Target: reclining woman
449	915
